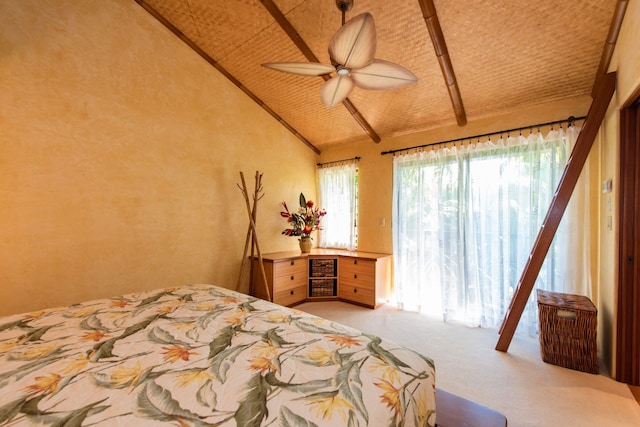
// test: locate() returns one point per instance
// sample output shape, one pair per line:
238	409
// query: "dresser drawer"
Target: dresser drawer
289	282
291	296
290	268
357	265
364	280
358	272
358	279
358	295
282	275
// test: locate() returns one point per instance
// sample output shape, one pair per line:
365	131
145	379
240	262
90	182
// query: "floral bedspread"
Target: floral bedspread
204	356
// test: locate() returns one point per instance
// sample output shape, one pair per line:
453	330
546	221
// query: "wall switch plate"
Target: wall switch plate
607	186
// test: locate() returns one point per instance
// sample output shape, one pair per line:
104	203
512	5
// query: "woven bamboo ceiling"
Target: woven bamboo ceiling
503	56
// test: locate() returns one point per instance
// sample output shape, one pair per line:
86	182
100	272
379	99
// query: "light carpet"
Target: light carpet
528	391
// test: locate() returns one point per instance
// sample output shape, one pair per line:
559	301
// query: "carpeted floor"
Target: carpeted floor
517	383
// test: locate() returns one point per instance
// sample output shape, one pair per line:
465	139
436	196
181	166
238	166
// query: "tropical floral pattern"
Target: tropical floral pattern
203	355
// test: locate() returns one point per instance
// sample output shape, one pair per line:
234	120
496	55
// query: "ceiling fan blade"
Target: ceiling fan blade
301	68
354	44
335	90
382	74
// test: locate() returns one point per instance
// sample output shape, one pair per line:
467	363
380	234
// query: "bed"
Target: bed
203	355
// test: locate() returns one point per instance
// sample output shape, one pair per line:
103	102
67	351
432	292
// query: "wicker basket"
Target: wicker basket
320	267
322	288
568	326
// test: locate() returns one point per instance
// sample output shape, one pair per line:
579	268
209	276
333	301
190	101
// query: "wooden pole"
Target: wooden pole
252	224
556	210
254	214
249	238
244	259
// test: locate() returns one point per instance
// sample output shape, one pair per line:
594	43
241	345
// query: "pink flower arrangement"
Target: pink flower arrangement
305	220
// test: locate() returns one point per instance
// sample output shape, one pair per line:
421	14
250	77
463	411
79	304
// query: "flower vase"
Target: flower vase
305	244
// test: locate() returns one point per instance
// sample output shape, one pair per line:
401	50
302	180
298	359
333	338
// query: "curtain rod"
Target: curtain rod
357	158
570	121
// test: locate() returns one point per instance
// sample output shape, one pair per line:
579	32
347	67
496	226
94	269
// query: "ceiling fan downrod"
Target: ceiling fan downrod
344	6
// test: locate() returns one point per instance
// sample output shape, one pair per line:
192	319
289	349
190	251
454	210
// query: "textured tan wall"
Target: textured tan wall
120	151
626	62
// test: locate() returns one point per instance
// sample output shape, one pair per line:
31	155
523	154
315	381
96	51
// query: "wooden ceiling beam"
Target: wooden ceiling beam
609	45
222	70
440	46
306	51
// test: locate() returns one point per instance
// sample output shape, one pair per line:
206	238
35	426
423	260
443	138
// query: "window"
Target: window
338	195
465	220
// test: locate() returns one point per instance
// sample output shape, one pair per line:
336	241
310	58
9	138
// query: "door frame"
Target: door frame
627	353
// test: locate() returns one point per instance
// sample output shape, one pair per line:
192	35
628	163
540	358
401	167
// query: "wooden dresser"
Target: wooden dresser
362	278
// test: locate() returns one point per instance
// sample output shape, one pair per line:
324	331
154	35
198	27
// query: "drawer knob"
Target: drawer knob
355	276
293	262
292	292
355	290
292	277
355	262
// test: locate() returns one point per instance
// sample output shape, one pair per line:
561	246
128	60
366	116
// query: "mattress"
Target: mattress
203	355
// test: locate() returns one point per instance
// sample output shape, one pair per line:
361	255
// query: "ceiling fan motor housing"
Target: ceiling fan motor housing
344	5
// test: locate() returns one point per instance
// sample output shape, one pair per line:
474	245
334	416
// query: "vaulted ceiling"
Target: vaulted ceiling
473	58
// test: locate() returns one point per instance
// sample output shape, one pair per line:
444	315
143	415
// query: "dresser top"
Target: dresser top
318	253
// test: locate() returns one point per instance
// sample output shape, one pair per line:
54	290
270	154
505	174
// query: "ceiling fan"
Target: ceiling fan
351	50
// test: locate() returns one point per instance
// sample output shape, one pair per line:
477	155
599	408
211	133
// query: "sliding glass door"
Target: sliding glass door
464	222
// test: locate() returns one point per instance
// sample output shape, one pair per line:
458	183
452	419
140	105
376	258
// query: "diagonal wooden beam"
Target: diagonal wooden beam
558	205
609	44
306	51
440	46
222	70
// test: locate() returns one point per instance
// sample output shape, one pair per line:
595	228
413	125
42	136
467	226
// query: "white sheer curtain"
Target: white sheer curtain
465	219
339	197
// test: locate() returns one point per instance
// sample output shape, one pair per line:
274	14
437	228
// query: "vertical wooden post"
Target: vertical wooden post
556	210
252	234
254	214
